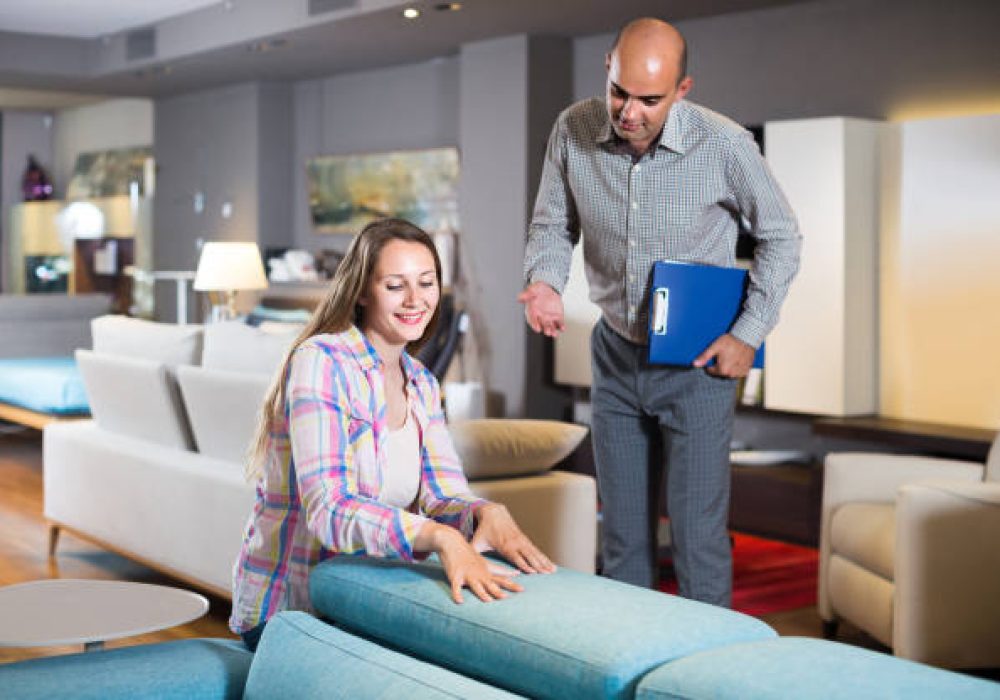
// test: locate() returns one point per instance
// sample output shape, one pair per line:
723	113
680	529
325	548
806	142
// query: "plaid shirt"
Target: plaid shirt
681	201
323	474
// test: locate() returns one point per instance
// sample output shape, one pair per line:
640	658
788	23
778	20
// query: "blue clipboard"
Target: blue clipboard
691	305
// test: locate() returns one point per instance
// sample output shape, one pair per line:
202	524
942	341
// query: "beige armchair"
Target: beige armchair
910	553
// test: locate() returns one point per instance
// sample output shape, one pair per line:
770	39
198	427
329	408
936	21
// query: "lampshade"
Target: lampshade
229	267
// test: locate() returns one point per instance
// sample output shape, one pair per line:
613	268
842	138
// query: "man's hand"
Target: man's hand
543	309
733	357
498	531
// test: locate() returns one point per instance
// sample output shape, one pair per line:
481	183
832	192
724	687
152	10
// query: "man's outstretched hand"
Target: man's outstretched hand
543	309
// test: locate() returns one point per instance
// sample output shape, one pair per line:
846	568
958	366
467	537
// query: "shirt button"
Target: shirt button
636	168
631	278
631	310
631	244
635	205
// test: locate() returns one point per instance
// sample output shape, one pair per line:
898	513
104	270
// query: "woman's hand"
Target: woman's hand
464	566
497	530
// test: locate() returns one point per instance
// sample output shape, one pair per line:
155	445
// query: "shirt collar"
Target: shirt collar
367	356
670	137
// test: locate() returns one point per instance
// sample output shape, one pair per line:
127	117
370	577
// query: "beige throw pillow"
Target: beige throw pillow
502	447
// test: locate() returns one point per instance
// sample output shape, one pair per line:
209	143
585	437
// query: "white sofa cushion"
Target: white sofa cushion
236	347
167	343
134	397
502	447
223	409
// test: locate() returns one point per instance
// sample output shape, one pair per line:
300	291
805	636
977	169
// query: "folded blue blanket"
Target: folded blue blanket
44	384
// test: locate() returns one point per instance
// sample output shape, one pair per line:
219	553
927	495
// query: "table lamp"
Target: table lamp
223	270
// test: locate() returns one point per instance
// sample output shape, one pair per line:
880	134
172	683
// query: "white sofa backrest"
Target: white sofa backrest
223	408
166	343
134	397
234	346
48	325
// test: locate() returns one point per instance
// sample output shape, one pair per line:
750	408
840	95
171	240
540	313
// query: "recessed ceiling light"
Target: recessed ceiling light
411	13
266	45
448	6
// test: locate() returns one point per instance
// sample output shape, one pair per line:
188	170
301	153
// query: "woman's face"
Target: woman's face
402	294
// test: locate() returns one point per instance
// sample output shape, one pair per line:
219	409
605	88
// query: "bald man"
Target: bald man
642	176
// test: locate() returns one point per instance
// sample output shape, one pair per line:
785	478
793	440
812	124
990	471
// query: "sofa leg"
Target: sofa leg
53	539
830	629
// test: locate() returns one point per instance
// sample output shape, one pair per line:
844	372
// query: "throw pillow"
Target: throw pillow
236	347
504	447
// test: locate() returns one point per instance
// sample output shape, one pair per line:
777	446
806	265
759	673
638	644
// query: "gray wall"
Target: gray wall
216	143
21	134
891	59
402	108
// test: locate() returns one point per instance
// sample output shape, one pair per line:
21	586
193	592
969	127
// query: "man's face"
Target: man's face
640	91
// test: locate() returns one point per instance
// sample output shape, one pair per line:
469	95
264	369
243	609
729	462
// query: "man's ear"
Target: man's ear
684	87
607	62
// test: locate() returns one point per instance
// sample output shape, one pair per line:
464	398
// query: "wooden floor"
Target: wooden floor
23	557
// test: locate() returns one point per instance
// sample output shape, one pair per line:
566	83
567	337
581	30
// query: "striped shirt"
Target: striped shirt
324	470
682	200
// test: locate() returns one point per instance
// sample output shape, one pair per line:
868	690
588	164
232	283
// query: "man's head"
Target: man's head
647	69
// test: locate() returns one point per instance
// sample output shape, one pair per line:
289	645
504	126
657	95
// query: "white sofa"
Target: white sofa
157	474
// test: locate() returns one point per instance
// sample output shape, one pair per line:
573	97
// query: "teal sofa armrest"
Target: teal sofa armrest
806	668
302	657
567	635
187	669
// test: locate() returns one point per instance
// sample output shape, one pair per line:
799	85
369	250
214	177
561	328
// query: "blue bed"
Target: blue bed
46	385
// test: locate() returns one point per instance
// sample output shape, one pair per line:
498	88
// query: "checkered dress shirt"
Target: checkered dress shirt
682	200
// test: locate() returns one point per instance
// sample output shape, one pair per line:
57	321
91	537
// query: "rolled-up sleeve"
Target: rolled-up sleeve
320	424
555	225
773	224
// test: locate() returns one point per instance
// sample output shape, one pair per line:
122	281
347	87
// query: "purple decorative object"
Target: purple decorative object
35	184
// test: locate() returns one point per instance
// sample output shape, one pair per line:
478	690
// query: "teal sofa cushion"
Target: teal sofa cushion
188	669
811	669
568	635
302	657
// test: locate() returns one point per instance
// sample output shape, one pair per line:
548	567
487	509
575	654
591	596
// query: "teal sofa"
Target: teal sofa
385	630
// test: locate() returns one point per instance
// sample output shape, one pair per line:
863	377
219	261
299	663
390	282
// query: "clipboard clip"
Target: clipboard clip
661	309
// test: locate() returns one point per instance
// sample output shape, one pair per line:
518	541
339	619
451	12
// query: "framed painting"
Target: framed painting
109	173
347	192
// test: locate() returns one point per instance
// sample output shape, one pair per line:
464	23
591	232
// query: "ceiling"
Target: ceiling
201	44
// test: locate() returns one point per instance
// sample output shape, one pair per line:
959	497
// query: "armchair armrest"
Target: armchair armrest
874	477
947	611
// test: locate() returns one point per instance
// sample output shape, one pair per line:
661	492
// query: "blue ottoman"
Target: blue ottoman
302	657
568	635
189	669
812	669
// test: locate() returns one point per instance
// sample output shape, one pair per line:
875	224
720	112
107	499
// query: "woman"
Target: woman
352	454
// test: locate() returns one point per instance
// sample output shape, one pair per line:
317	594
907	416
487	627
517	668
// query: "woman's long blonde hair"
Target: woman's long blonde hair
335	313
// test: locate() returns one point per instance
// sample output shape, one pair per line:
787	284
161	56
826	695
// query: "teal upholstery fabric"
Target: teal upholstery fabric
811	669
188	669
44	384
568	635
302	657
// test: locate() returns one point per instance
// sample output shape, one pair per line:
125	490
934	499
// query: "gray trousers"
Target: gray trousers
654	426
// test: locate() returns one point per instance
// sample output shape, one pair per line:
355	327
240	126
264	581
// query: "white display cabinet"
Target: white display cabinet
822	358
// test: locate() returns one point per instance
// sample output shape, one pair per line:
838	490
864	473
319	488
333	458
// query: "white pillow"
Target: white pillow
223	408
502	447
134	397
236	347
168	343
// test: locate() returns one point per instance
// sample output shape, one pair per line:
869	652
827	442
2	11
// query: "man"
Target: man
647	176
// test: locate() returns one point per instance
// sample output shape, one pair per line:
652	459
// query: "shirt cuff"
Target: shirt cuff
750	330
550	278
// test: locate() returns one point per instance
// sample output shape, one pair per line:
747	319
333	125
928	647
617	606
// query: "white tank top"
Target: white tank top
401	480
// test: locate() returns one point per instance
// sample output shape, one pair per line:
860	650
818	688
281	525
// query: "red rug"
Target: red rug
768	576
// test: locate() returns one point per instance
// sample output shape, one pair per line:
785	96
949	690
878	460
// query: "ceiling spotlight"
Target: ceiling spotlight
411	13
448	6
266	45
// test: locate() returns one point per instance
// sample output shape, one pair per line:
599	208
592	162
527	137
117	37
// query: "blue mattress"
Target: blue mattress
43	384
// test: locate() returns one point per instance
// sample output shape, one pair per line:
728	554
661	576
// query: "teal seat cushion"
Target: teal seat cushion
568	635
811	669
302	657
44	384
188	669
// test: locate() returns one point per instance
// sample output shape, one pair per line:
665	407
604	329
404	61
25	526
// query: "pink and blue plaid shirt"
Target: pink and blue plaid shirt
325	460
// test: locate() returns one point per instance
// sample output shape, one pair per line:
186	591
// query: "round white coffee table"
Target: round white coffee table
79	611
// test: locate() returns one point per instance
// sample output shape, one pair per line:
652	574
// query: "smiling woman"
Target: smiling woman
352	455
